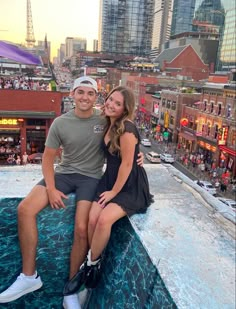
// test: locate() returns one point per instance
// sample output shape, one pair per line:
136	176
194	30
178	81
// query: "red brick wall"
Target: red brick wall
39	101
191	65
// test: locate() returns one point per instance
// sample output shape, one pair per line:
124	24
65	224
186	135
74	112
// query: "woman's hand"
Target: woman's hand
140	159
105	197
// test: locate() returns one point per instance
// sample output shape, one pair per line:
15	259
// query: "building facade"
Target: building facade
183	12
75	45
227	49
125	26
25	118
162	18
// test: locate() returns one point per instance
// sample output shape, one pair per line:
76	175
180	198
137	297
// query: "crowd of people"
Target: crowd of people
219	176
23	83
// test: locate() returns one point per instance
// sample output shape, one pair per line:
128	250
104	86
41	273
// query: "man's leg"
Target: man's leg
28	209
28	281
78	252
80	243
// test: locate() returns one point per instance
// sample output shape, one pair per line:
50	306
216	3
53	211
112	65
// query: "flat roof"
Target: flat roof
188	234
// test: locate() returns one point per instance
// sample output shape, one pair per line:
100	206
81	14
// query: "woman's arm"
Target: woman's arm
127	149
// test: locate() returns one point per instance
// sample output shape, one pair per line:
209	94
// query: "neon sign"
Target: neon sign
222	135
9	121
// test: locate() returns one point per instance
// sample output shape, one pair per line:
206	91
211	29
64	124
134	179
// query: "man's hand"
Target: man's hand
55	199
140	159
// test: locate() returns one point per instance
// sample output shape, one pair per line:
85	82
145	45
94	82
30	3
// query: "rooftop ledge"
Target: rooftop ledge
187	233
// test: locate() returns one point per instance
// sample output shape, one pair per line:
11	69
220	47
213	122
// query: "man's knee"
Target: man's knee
81	231
23	208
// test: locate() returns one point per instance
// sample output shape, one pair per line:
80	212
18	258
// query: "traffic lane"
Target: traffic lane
176	164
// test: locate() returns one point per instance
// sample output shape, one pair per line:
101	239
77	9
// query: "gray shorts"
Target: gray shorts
83	186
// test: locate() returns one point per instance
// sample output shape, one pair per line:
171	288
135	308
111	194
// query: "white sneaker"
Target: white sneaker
20	287
71	302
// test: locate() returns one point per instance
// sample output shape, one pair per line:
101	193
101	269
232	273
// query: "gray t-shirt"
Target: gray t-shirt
80	140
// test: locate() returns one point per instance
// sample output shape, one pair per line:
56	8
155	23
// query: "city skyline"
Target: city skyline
49	19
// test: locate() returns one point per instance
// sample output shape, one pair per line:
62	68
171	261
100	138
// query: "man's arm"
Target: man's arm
55	196
49	156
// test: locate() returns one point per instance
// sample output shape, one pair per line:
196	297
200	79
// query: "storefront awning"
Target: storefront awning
7	131
228	150
188	136
28	114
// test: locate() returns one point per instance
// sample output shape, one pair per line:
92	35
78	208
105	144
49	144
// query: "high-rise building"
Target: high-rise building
74	45
125	26
197	15
227	49
95	45
183	12
208	17
162	18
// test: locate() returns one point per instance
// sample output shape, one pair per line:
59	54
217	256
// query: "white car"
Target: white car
207	186
228	202
146	142
153	157
166	157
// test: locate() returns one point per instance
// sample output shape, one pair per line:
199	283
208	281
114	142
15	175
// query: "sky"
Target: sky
56	18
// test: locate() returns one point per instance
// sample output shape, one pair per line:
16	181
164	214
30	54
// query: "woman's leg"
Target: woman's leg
94	214
109	215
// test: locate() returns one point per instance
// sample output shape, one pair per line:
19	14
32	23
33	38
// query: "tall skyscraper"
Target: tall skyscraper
227	48
74	45
183	12
125	26
162	18
208	16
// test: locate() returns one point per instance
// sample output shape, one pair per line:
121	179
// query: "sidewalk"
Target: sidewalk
178	153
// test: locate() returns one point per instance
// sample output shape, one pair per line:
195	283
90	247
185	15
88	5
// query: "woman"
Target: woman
123	189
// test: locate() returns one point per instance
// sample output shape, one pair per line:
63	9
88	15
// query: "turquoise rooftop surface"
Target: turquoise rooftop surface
188	234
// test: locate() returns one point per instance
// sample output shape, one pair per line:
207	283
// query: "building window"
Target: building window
228	111
208	129
168	104
219	109
163	102
172	120
205	105
212	107
216	131
173	105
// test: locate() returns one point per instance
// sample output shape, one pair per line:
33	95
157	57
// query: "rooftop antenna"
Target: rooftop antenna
30	40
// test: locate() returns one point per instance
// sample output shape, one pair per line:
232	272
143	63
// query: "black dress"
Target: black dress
134	196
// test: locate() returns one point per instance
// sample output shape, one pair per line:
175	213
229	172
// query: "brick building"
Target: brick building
182	62
25	118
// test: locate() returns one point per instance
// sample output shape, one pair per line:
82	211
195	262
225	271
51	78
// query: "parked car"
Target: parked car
207	186
146	142
166	157
153	157
228	202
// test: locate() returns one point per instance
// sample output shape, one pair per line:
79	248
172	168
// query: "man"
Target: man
79	132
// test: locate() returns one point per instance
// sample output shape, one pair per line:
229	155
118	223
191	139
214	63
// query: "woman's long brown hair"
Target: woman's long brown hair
118	128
